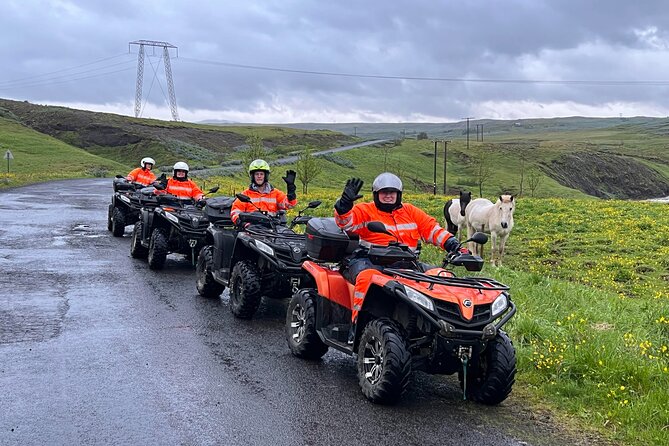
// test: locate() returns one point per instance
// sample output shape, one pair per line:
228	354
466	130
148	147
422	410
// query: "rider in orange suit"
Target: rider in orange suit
143	174
263	195
180	185
405	221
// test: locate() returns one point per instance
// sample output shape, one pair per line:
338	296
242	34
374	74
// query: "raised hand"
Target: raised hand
290	177
352	189
349	195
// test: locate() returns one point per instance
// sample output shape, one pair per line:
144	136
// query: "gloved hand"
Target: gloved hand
290	177
349	195
290	184
451	245
201	202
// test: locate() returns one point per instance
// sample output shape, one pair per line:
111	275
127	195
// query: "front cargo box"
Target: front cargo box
326	242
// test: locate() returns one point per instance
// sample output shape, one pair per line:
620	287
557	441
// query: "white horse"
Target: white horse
454	213
496	218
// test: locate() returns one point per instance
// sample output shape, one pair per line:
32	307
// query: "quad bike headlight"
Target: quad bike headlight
171	217
264	247
500	304
420	298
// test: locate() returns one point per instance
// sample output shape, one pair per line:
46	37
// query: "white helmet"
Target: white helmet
387	180
181	166
146	161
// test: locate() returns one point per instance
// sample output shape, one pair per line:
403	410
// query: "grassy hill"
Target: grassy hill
564	157
127	140
38	157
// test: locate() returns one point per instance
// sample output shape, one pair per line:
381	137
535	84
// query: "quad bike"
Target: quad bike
126	204
412	318
175	225
261	256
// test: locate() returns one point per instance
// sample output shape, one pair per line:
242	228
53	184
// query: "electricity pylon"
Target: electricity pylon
168	74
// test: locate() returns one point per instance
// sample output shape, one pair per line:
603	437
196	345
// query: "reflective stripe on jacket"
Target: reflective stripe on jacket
408	224
270	200
183	189
141	176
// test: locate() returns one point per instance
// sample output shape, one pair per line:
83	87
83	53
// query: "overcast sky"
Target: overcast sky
388	60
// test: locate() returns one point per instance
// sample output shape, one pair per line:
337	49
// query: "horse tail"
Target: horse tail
452	228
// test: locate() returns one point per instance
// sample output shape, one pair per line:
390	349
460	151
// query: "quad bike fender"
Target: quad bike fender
147	224
330	284
224	244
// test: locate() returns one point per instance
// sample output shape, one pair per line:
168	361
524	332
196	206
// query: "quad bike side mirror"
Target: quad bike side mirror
243	198
213	190
314	204
478	237
377	226
119	176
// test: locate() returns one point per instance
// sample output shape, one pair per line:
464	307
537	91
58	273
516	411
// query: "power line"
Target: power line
72	79
66	77
63	70
600	82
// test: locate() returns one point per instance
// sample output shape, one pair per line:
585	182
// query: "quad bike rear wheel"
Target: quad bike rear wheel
157	249
301	334
137	251
118	222
205	283
384	362
491	380
245	289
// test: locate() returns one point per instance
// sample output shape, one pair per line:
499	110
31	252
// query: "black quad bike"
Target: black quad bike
175	225
262	256
126	204
412	317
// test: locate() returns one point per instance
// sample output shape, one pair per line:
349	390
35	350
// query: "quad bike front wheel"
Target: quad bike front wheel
301	334
117	222
245	289
137	251
490	381
110	227
205	283
157	249
384	362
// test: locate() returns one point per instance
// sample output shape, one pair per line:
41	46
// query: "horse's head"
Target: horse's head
465	198
505	206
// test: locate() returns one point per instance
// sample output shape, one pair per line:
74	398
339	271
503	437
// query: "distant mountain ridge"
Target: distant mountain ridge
490	127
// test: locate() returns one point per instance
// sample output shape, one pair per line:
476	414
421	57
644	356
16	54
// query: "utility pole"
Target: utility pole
481	132
434	184
168	74
445	157
468	118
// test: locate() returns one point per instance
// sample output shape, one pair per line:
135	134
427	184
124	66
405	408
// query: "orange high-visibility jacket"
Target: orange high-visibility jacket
183	189
141	176
272	200
408	223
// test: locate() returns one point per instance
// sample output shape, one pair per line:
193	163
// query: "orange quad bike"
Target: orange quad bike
412	317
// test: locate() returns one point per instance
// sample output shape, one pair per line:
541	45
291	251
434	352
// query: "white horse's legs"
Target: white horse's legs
502	245
495	248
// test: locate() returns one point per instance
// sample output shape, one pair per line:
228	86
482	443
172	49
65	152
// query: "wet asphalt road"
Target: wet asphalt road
97	349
